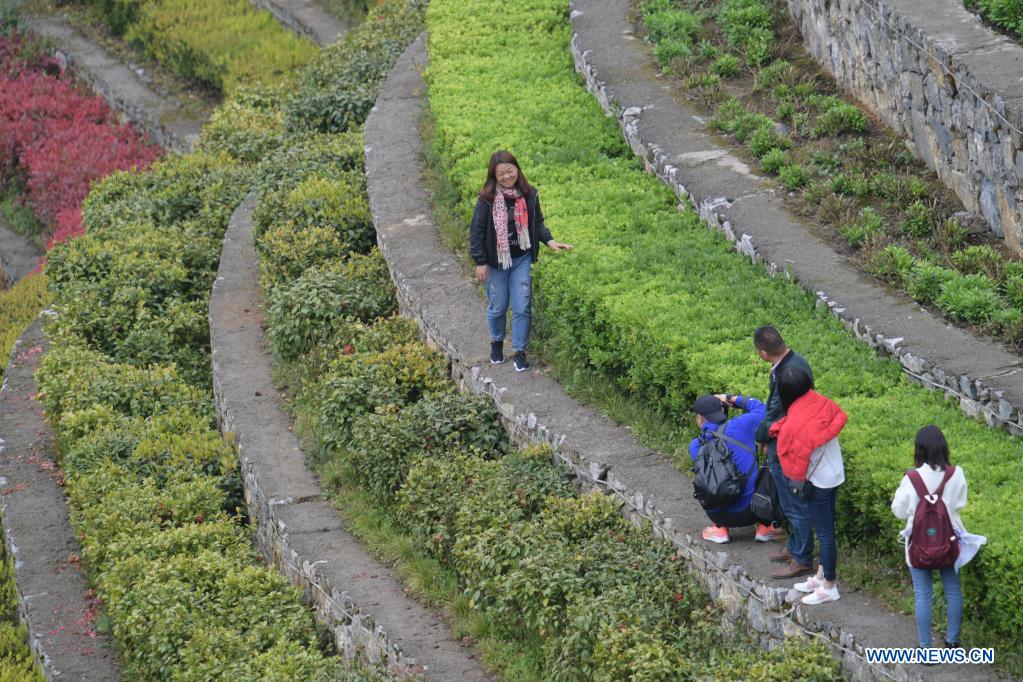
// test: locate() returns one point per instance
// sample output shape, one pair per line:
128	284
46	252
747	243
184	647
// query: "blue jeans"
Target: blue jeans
923	587
514	286
822	516
796	510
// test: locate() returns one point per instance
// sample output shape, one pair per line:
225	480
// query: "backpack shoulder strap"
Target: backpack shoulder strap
720	433
918	483
949	472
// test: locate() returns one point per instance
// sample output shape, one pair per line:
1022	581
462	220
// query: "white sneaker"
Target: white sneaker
808	586
822	596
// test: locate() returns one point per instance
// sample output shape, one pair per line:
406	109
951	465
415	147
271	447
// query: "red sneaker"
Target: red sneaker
769	533
718	534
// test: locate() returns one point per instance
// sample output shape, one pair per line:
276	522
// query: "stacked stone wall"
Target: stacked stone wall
934	73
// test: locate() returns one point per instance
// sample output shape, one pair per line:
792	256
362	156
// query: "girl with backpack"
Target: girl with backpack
811	462
935	537
507	228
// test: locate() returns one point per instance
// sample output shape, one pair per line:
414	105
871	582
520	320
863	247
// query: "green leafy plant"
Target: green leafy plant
794	176
970	298
840	118
726	66
774	160
766	138
869	224
918	219
892	263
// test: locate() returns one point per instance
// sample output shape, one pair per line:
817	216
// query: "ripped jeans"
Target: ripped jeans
515	286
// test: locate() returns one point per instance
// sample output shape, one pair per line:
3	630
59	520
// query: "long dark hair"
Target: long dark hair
931	448
793	384
490	186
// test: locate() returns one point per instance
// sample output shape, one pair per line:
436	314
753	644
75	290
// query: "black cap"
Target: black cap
709	407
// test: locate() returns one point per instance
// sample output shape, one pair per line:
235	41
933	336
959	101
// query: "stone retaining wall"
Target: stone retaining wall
948	84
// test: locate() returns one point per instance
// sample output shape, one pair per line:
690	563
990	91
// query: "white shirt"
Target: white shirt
826	469
954	497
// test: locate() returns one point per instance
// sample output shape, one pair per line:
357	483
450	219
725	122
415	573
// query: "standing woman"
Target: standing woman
504	237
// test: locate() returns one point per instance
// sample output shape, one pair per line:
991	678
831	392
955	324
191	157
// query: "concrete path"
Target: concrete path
673	139
18	255
306	18
122	88
435	291
358	598
60	619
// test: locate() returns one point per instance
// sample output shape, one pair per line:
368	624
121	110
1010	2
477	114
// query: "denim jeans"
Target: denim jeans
796	510
822	516
512	286
923	587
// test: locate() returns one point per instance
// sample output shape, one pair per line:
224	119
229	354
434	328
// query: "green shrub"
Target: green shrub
672	48
869	224
925	281
19	305
851	184
1006	14
840	118
970	298
950	234
732	117
918	219
306	312
794	176
385	445
339	203
766	138
747	25
702	80
774	160
221	45
776	73
892	263
249	126
980	260
339	155
726	66
672	24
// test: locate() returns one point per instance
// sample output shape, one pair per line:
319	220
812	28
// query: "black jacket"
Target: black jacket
483	238
775	410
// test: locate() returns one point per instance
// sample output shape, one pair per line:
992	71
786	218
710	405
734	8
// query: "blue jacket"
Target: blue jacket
742	428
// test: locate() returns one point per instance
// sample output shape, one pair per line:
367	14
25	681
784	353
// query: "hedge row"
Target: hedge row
55	140
19	305
1005	14
154	491
220	44
664	308
860	182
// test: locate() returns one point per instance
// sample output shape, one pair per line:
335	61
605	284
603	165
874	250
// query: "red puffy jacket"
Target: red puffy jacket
810	422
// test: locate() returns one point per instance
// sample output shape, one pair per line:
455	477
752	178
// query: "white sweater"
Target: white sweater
906	499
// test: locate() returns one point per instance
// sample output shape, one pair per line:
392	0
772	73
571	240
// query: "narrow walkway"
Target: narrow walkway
62	630
306	18
673	139
121	87
18	255
358	598
435	291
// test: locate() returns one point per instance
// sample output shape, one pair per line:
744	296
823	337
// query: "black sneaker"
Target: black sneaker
496	352
520	361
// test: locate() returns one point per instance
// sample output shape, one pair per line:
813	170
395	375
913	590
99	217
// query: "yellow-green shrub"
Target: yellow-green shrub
19	305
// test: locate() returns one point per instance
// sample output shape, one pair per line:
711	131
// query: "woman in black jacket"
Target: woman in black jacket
507	227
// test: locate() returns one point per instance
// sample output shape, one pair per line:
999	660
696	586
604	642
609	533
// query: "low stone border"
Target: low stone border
949	84
434	290
306	18
52	600
119	85
673	140
297	530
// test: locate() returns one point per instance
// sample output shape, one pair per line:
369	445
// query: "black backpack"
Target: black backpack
718	481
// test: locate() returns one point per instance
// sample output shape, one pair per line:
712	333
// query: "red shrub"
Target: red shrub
58	139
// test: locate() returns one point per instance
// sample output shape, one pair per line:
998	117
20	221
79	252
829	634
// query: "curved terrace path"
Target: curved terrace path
297	528
52	601
123	89
434	289
306	18
674	141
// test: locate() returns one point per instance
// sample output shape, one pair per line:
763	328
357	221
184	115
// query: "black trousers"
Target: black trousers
733	519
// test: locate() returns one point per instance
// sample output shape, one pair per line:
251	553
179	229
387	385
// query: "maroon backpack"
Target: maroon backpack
933	542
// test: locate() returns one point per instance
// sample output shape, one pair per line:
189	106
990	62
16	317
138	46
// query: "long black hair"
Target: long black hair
931	448
793	383
490	186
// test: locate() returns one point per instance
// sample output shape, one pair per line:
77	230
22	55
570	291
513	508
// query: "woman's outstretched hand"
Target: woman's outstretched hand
481	273
558	246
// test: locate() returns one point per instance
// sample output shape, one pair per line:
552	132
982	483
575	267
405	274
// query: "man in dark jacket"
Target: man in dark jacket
710	415
798	555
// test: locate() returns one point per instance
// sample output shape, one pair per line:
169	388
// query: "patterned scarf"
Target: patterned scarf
501	224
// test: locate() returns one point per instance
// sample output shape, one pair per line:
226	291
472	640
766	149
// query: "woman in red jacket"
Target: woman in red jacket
811	460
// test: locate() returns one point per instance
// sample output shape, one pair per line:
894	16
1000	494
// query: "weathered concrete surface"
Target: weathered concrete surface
297	530
18	255
950	85
306	18
434	290
51	589
164	121
985	378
